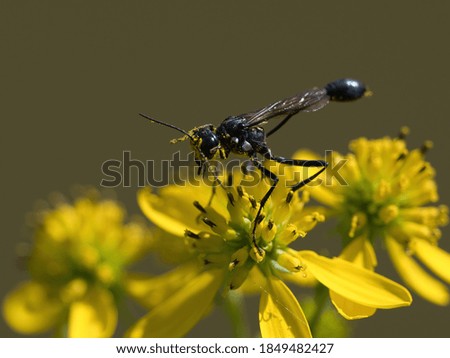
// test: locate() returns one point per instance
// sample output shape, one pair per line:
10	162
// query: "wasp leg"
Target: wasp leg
308	180
301	163
279	125
199	164
272	176
296	162
213	193
217	182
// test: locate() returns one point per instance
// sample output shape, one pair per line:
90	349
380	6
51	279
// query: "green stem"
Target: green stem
61	330
234	307
320	300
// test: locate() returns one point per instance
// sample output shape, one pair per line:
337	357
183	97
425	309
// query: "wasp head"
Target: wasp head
205	142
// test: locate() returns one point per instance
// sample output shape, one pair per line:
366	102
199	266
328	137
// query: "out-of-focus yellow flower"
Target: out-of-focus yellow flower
384	191
221	257
77	265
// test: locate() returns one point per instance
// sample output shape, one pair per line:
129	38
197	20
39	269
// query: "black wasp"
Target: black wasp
244	135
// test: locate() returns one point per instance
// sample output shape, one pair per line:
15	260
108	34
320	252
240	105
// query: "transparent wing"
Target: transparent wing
308	101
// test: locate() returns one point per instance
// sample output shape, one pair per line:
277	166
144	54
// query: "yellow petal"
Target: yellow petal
302	278
254	282
151	291
94	316
414	276
179	313
436	259
360	251
350	309
31	309
355	283
280	314
326	196
306	154
172	210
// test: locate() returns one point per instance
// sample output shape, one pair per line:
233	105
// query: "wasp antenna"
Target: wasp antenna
167	125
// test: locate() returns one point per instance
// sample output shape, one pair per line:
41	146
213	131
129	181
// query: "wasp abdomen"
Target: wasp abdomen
346	89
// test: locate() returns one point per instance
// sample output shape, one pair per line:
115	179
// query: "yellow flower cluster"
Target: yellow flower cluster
384	191
219	241
77	267
81	252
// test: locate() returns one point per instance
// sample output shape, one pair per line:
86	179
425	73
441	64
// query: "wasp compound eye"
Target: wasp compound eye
346	89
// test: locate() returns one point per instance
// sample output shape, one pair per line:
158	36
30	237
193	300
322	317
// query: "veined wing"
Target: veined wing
308	101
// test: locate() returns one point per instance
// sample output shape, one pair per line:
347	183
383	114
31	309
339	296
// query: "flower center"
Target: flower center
227	239
389	181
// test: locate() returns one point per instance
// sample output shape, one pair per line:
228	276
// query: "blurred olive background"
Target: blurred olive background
74	75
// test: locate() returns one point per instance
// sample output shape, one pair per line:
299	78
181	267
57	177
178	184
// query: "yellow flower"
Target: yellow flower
383	190
77	267
220	257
